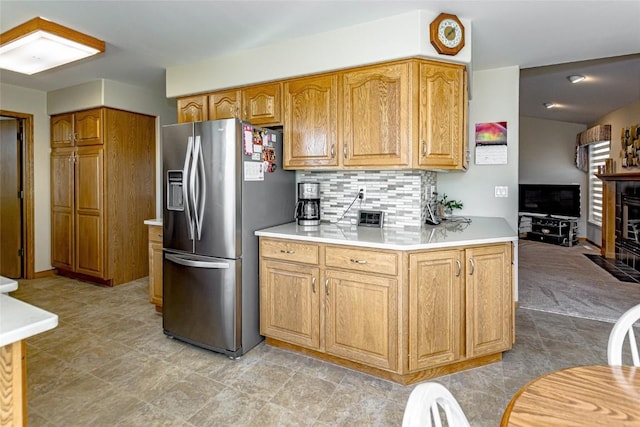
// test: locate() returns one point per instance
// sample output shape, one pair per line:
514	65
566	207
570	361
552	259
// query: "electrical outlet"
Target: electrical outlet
362	193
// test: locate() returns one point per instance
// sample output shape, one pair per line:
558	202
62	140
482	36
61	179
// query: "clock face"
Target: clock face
447	34
450	33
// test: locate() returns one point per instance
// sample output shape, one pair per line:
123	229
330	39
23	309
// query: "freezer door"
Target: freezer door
201	297
177	142
219	189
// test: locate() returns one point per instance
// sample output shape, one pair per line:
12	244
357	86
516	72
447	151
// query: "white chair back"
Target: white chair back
423	407
621	330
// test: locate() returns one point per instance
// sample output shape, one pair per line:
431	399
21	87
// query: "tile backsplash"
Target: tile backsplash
401	195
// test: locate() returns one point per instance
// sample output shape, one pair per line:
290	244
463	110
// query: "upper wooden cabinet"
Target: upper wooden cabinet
442	116
76	129
224	105
311	122
376	116
262	104
193	109
406	114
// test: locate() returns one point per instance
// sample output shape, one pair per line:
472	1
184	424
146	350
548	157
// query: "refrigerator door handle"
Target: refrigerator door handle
196	263
201	193
186	187
193	189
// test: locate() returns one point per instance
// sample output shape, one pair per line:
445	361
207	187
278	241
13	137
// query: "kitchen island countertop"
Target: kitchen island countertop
449	233
7	285
19	320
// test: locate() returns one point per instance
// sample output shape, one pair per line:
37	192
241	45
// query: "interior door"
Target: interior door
10	202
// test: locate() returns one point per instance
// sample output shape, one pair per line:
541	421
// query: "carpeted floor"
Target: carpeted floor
558	279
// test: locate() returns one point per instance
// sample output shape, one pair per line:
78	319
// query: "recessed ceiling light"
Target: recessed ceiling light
549	105
39	45
575	78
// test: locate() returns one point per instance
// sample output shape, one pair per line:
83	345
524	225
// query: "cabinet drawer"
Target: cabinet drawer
373	261
289	250
155	233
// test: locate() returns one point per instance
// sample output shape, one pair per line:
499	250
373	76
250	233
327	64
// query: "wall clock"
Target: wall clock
447	34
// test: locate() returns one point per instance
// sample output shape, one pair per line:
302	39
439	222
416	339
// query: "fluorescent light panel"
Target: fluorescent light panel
39	45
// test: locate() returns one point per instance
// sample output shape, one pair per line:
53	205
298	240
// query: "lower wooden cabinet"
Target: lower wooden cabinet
402	315
155	266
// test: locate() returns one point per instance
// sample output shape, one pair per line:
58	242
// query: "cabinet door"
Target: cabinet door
435	308
290	303
224	105
155	265
310	122
489	299
193	109
261	104
62	131
441	116
88	127
377	116
89	215
62	208
362	318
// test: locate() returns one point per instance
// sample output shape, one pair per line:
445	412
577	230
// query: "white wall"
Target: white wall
41	105
393	37
495	98
547	156
27	101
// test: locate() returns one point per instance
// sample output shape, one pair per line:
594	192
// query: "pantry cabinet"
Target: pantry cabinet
402	315
102	189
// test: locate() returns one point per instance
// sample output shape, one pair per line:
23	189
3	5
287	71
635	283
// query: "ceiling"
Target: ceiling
145	37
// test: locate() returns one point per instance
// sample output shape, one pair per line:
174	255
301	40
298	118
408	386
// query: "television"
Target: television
562	200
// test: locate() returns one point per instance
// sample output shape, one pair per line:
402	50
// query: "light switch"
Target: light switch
501	191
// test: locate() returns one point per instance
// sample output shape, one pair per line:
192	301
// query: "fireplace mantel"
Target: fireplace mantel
631	176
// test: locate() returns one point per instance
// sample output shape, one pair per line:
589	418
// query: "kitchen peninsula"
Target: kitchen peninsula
404	304
18	321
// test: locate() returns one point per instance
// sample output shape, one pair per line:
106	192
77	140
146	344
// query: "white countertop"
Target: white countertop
155	221
19	320
7	285
480	230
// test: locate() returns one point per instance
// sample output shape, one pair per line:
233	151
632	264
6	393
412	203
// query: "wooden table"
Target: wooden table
580	396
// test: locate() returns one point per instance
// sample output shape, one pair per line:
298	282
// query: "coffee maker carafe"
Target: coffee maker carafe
308	206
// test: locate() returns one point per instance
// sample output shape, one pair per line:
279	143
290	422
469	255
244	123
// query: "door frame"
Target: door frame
27	201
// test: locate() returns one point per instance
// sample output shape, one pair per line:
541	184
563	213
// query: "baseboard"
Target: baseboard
45	273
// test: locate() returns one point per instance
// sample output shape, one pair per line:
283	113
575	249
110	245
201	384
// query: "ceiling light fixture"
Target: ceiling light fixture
575	78
39	45
549	105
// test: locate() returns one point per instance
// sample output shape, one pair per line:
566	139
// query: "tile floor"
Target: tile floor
616	268
109	364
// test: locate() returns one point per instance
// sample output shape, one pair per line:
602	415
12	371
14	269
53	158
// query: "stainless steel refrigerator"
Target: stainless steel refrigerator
223	180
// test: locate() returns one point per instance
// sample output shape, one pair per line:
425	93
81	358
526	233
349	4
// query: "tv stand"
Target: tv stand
559	231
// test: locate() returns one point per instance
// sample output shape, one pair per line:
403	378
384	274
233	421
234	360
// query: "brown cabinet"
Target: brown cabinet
442	116
193	109
262	104
13	383
353	305
311	122
102	189
334	304
224	105
460	304
377	116
155	266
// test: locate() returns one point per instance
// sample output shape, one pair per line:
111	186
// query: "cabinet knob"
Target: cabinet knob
358	261
313	285
326	287
459	264
282	251
424	149
333	151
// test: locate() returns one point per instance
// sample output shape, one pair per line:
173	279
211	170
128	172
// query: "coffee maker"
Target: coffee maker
308	206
